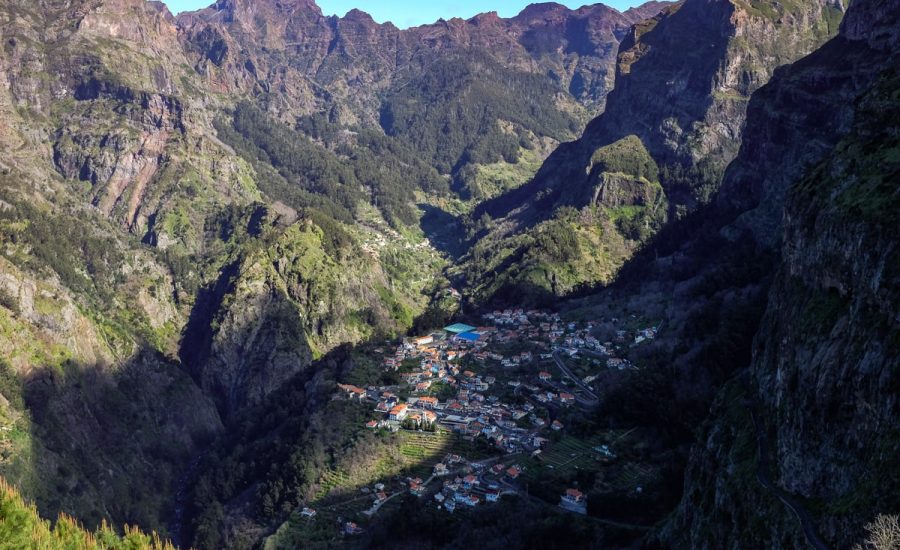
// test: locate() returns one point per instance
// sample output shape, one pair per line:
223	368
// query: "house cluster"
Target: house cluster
477	485
520	317
548	332
441	392
470	409
645	334
471	413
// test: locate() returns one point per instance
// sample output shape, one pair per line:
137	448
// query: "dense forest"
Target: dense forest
478	112
329	168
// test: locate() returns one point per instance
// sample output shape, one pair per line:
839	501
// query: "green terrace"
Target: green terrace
349	495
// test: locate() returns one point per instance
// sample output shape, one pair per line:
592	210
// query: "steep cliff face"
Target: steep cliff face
684	79
823	382
779	137
88	397
683	82
103	90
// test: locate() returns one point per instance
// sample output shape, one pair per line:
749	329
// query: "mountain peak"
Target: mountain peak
488	18
542	9
264	6
645	11
359	16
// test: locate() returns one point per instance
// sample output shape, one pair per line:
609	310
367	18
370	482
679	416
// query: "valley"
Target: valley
580	278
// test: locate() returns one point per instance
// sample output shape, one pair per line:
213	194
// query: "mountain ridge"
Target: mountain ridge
481	30
826	350
685	118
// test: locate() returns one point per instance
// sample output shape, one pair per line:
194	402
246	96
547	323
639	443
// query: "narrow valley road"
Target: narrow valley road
763	475
565	370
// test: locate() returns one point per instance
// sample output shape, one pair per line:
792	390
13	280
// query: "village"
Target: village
508	385
455	379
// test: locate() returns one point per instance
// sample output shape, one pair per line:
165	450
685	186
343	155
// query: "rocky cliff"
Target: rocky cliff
88	323
683	83
810	433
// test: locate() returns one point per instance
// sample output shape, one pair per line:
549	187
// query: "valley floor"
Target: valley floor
491	416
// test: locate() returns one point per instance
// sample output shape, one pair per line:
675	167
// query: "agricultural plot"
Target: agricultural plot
635	475
420	451
434	446
324	529
338	498
331	480
570	454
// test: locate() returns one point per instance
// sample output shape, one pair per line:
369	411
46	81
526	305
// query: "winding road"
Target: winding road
584	387
763	475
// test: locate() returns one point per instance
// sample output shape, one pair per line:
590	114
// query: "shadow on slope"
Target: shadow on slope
106	443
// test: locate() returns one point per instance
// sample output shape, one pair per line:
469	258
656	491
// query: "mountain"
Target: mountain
827	349
217	229
485	80
778	340
314	63
737	342
177	243
671	126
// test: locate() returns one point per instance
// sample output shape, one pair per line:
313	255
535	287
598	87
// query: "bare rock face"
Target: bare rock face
121	164
118	109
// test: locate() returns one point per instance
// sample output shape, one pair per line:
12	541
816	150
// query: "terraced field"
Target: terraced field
561	452
406	454
635	475
570	454
430	447
331	480
565	457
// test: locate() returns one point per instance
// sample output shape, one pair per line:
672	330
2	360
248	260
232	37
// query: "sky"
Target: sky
408	13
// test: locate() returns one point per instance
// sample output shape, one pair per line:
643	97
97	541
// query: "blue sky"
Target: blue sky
406	13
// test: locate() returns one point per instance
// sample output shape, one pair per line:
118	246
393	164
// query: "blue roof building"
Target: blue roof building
459	328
